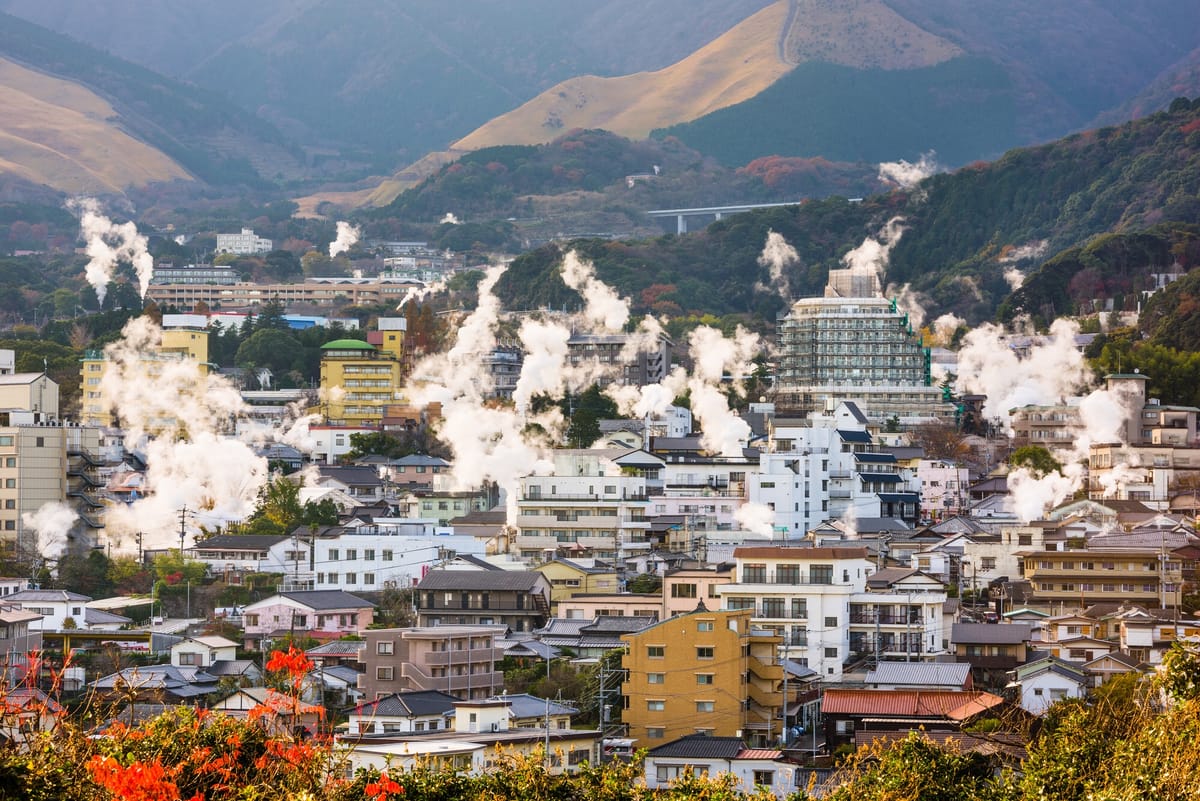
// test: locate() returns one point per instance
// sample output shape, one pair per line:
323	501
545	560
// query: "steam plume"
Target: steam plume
52	523
449	219
1015	278
907	175
108	244
604	307
757	518
347	237
776	255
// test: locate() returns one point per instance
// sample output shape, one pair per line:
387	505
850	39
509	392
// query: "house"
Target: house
591	639
58	609
26	712
282	714
324	614
709	672
684	587
459	660
1043	682
847	711
700	754
623	604
403	712
362	484
230	555
156	683
991	646
519	599
570	577
920	675
1113	663
527	711
17	642
202	652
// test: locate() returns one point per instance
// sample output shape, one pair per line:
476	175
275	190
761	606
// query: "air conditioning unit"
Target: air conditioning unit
389	584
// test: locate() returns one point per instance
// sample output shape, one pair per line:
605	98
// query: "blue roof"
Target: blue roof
884	478
854	436
880	458
899	497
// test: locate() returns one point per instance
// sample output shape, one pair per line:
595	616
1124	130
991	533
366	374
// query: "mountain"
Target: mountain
90	122
963	231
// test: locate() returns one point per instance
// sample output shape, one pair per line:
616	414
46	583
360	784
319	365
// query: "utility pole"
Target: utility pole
182	529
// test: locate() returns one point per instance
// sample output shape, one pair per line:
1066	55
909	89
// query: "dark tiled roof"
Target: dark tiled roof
328	599
239	542
346	648
990	633
513	580
700	746
421	702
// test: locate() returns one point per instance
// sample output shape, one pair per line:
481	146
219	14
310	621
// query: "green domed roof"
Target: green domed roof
347	344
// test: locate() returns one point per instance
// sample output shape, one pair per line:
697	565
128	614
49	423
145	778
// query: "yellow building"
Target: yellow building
704	672
184	336
359	380
568	578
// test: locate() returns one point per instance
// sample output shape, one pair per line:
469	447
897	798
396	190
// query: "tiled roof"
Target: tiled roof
759	753
512	580
524	705
990	633
239	542
46	595
344	648
700	746
949	704
328	599
421	702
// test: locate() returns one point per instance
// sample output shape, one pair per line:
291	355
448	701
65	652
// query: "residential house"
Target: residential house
753	769
920	675
570	577
26	713
847	711
456	659
1048	680
157	683
991	646
323	614
517	599
527	711
17	642
280	713
415	469
59	609
203	651
405	712
1113	663
684	587
591	639
709	672
232	555
625	604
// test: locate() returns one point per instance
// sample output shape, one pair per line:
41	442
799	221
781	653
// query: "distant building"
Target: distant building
359	380
194	274
244	244
647	367
454	659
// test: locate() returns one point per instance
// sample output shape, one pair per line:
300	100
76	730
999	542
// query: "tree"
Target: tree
589	409
1036	459
275	349
87	574
939	440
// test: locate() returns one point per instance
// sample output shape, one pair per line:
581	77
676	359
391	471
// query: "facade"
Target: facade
1148	576
324	614
34	392
359	380
413	711
454	659
585	606
753	769
56	607
202	652
574	577
322	292
593	505
828	614
245	243
519	599
685	587
1048	681
855	348
943	488
708	672
194	274
646	367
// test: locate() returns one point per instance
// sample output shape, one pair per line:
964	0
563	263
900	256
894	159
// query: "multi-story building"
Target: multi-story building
685	587
455	659
519	599
359	380
244	244
827	611
312	292
184	338
594	504
1127	568
707	672
569	577
943	488
647	367
859	348
42	462
194	274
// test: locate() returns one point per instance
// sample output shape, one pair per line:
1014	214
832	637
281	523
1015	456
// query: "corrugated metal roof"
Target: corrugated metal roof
990	633
949	704
946	674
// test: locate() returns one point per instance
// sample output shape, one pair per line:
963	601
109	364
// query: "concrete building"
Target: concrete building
519	599
859	348
360	380
707	672
455	659
245	243
820	602
194	274
320	292
646	367
323	614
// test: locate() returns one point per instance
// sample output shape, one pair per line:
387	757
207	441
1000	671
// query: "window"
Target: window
383	672
10	461
800	607
351	554
821	574
368	578
351	578
10	483
705	652
704	678
251	620
831	653
706	706
383	647
369	554
655	705
704	625
656	651
333	578
387	555
987	563
831	622
190	659
669	773
656	678
655	733
683	590
764	778
754	574
333	554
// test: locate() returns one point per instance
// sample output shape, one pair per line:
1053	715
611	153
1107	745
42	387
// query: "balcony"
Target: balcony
476	656
765	671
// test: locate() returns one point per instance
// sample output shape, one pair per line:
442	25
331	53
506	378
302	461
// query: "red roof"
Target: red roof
759	753
948	704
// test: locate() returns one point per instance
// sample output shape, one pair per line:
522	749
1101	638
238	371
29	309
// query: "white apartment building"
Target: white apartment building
244	244
594	504
829	610
829	468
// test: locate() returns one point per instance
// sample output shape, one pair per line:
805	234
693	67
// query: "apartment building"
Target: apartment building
245	243
359	380
828	613
646	367
1125	568
519	599
706	672
455	659
324	292
593	505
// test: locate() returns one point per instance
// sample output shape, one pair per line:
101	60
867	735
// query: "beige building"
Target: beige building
624	604
459	660
1147	576
568	577
707	672
35	392
685	587
313	292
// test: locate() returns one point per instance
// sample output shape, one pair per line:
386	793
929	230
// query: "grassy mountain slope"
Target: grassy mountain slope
57	133
212	139
963	229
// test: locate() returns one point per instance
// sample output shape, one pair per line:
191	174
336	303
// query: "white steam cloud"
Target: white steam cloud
866	264
347	237
757	518
944	328
907	175
52	523
776	255
450	219
1030	250
109	244
911	302
604	307
1014	278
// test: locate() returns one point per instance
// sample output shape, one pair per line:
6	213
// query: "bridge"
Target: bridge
717	212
